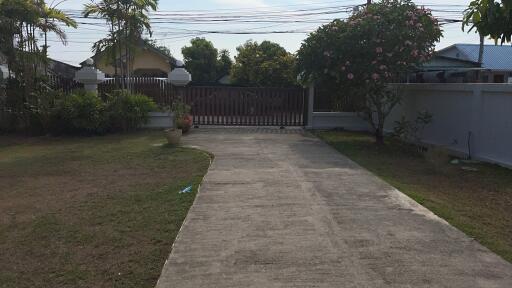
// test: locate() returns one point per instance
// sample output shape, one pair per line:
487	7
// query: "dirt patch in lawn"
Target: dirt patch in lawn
92	212
477	202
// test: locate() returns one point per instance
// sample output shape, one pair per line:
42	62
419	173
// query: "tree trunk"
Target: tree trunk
119	42
480	58
120	46
114	48
127	60
46	46
379	136
481	50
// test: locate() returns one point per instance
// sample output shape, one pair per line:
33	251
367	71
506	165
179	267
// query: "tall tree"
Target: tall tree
22	22
489	18
108	10
376	46
127	20
50	22
137	23
224	63
265	64
201	60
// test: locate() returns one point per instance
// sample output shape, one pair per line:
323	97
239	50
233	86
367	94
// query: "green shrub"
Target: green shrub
80	113
41	115
128	111
19	113
12	105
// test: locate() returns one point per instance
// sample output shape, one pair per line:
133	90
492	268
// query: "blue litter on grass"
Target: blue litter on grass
186	190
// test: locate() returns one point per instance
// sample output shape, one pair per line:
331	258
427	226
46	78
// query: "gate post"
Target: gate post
90	76
310	105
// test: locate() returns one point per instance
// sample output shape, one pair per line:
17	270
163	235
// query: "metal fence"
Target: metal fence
66	85
242	106
214	105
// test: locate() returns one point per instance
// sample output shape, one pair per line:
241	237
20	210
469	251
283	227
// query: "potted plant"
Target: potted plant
185	123
179	111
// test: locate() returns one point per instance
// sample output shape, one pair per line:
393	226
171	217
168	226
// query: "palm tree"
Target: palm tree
489	18
50	21
109	10
22	22
137	22
128	21
475	16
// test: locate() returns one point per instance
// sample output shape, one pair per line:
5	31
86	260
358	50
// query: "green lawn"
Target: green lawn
478	203
92	212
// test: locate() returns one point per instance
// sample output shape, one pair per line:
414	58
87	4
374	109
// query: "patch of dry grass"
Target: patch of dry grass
92	212
478	203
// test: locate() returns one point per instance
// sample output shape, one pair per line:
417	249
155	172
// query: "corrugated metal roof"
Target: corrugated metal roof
495	57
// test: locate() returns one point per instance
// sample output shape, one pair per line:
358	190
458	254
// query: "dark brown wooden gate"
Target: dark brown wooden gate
228	106
242	106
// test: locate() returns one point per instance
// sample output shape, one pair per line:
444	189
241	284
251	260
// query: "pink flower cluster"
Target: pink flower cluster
408	51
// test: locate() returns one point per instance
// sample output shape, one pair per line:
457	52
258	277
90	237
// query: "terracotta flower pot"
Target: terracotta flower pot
186	123
173	136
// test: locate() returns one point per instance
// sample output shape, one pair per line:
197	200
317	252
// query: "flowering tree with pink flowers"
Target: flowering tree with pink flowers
374	47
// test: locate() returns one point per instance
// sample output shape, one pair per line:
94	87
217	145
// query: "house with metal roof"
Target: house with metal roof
148	61
55	68
459	63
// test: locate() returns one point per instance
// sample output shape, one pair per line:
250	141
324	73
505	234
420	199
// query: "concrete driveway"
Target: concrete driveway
283	209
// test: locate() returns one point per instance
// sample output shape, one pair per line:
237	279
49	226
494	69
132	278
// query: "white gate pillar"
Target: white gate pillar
90	76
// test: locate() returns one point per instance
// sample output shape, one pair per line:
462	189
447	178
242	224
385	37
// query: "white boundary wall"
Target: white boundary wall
160	120
345	120
482	110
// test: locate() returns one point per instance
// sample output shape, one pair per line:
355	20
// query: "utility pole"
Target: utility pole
357	7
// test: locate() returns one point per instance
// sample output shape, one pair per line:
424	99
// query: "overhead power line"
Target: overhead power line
176	25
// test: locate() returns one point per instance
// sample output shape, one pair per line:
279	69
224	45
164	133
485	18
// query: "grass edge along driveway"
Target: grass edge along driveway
476	202
92	212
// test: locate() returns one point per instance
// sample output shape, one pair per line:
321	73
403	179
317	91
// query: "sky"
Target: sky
175	36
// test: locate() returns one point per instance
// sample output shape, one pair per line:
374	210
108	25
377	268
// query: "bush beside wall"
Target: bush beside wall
78	113
128	111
